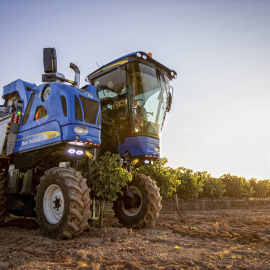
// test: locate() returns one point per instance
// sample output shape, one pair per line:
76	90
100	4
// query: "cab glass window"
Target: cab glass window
111	84
112	92
150	90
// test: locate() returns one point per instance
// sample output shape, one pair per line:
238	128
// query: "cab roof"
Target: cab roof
130	58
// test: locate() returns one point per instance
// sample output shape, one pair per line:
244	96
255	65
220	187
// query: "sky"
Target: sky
220	117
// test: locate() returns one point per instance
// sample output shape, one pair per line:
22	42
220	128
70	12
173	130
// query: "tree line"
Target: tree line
188	184
109	178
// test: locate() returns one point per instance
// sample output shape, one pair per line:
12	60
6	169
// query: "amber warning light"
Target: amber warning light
150	54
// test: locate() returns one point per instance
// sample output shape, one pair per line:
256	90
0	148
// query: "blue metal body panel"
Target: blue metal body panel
139	146
93	135
38	136
19	86
55	127
92	89
54	107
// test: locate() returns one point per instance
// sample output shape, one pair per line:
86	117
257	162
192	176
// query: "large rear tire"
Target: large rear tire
62	203
147	210
3	197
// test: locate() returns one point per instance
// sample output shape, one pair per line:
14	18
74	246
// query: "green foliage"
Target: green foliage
108	176
233	184
165	177
236	187
248	190
261	187
212	188
253	183
191	183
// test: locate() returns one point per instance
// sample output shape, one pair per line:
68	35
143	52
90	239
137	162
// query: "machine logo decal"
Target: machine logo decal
39	137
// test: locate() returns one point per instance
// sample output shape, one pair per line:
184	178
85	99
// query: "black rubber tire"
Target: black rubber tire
150	204
76	207
3	197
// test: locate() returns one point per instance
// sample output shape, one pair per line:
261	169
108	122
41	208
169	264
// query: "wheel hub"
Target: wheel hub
57	203
53	204
132	202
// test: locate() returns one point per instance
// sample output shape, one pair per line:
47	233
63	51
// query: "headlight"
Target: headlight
81	130
71	151
138	54
144	57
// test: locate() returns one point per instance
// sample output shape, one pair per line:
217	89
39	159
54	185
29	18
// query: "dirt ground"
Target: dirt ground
222	239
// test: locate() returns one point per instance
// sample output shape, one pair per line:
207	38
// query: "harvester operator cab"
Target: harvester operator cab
135	95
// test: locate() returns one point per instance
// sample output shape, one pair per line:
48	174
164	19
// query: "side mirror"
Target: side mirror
49	60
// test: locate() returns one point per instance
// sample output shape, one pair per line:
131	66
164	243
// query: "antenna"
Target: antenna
97	64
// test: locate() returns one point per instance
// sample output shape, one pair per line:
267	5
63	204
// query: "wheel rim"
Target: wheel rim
53	204
133	211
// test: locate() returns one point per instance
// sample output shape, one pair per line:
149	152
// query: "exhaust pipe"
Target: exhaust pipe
77	74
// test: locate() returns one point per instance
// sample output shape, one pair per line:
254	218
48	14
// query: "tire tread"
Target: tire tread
153	207
79	202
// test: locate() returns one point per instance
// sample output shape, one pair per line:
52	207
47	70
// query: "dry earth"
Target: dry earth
223	239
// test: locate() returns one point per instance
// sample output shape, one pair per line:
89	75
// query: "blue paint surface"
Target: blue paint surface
139	146
38	136
56	126
92	136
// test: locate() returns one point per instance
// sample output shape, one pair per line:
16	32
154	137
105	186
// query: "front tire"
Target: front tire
62	203
147	210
